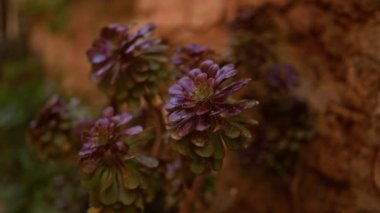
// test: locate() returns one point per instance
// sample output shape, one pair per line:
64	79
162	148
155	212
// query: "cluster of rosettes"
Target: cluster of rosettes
126	64
190	56
202	115
114	178
255	40
54	132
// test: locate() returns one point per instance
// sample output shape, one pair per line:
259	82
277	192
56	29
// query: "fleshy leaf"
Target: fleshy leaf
232	132
182	147
205	151
185	129
130	178
244	132
197	167
199	141
147	161
135	130
219	149
106	179
233	144
93	180
140	203
127	197
110	195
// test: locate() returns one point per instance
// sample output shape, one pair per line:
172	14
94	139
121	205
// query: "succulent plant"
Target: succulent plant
53	132
286	127
115	179
283	76
255	40
204	118
126	64
190	56
202	115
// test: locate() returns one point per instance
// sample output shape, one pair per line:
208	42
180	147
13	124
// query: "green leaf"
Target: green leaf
110	195
232	132
205	151
219	148
193	155
152	79
197	167
147	161
127	197
251	121
244	131
93	180
199	141
140	202
154	65
130	178
159	58
156	49
133	104
106	179
129	83
141	77
138	91
144	182
182	147
47	137
232	144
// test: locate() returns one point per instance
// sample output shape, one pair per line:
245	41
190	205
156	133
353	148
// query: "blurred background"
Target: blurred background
315	69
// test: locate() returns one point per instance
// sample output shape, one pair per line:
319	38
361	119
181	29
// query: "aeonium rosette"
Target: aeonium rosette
55	132
190	56
283	77
203	116
115	178
127	64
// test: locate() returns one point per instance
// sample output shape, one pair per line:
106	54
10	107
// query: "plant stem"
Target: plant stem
115	104
159	124
192	194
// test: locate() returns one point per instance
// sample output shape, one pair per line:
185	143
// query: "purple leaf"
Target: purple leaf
178	60
135	130
108	112
195	49
176	90
146	29
202	124
170	106
177	116
226	72
233	87
206	64
187	84
203	108
237	108
185	129
122	119
194	73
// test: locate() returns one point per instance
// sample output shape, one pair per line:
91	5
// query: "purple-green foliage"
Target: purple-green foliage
286	121
201	112
126	159
126	64
27	183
